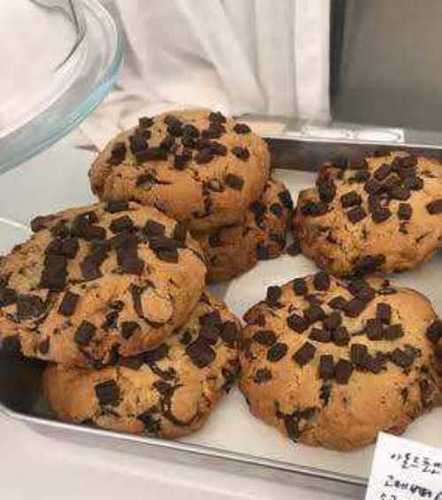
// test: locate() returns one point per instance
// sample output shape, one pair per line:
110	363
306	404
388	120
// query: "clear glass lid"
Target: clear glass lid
61	58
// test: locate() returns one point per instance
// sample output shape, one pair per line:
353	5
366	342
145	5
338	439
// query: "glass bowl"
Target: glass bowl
61	58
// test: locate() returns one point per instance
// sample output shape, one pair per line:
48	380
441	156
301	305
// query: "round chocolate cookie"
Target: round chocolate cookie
98	281
232	250
197	166
166	392
383	213
332	363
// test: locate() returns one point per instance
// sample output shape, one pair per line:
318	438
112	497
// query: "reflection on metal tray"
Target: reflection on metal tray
219	444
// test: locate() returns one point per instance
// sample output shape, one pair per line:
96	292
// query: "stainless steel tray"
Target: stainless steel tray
233	439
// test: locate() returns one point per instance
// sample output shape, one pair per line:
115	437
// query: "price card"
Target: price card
405	470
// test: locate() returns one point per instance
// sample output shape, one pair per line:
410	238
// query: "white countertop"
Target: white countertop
43	467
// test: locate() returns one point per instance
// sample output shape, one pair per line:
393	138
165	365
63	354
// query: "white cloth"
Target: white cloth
238	56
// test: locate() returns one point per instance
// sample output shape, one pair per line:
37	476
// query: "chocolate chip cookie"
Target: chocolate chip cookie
383	213
166	392
199	167
232	250
331	363
97	282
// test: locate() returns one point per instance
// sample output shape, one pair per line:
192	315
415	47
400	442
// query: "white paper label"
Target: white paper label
405	470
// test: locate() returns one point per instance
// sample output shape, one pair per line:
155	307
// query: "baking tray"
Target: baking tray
233	439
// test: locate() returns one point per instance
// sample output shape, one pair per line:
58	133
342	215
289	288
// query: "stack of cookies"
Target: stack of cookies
208	172
112	294
346	359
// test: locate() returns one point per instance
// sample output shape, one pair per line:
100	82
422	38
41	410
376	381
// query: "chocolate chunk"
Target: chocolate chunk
314	209
413	183
242	128
368	263
68	304
203	156
435	207
326	367
54	273
326	189
356	214
434	331
118	153
437	352
175	129
190	130
405	211
337	302
297	323
214	131
128	328
400	193
276	209
209	333
241	152
43	346
382	172
153	228
380	215
264	337
286	199
376	364
294	249
234	182
7	296
108	393
320	335
299	286
200	353
340	336
262	375
321	281
180	232
304	354
354	307
314	313
360	289
84	333
273	295
277	352
350	199
151	154
359	355
11	344
401	358
373	329
332	321
90	266
325	393
123	223
127	259
383	312
393	332
84	228
313	299
138	143
154	355
145	122
165	248
218	149
29	306
373	186
69	247
343	371
217	117
229	333
361	176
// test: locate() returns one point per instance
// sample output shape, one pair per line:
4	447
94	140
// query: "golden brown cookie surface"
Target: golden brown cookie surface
99	281
197	166
235	249
382	214
166	392
332	363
